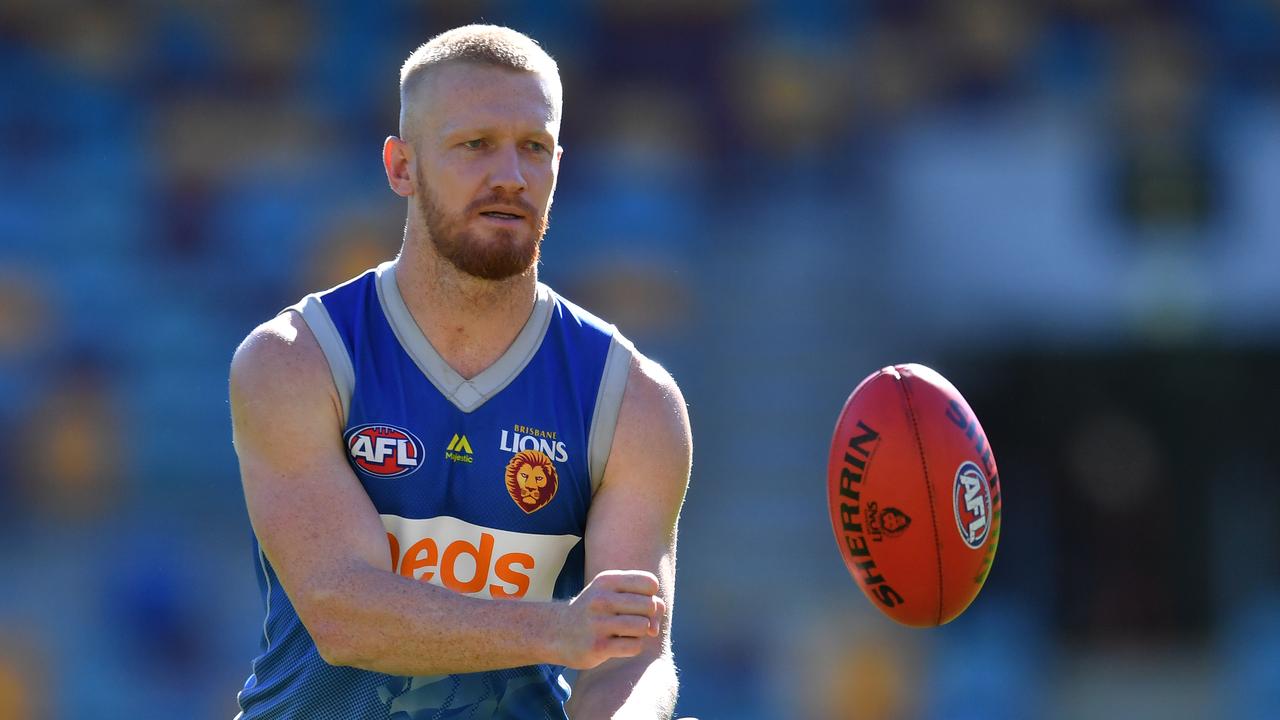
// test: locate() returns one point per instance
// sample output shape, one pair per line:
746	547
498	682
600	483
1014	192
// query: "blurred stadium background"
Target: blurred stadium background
1069	207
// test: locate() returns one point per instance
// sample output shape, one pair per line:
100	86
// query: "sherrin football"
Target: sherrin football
914	495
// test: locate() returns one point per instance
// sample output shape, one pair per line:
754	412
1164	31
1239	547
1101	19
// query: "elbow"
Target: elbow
330	627
335	650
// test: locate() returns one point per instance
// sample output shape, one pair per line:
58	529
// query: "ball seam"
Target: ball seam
928	486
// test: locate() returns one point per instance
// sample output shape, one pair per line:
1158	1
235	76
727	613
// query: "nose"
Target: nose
506	174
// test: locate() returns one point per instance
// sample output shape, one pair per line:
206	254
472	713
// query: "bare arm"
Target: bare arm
326	542
633	524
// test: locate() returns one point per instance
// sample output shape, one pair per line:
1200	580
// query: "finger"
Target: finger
659	611
624	647
631	604
626	626
632	581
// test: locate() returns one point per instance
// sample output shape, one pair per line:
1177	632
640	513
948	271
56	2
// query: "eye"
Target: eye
538	147
474	144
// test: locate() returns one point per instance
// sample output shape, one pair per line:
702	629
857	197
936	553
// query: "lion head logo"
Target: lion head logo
894	521
532	480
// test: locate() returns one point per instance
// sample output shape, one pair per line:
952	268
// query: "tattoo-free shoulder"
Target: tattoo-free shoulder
281	362
654	420
651	384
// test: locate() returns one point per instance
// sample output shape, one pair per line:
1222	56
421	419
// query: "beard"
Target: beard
498	254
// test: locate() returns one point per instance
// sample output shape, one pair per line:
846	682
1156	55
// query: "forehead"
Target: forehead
458	96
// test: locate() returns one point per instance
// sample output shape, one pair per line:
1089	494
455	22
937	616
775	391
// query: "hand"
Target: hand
610	618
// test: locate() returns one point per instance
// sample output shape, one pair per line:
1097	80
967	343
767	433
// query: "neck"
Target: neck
468	320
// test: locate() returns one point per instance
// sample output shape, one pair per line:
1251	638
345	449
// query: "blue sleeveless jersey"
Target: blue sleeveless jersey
483	487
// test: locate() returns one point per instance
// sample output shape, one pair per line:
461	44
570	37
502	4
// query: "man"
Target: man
459	482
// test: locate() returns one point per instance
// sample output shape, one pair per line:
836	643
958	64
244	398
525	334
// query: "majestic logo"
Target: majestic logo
532	480
384	451
890	521
459	450
971	497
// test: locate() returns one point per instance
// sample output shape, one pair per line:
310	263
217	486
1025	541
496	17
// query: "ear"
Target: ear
398	160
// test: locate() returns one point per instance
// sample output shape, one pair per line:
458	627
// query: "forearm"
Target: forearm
640	688
376	620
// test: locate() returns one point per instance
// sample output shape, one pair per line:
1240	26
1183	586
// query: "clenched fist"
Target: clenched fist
610	618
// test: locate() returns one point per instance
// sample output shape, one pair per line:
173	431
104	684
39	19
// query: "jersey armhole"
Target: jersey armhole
317	318
604	421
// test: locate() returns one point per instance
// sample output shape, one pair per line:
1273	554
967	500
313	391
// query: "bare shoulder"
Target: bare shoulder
274	349
280	371
653	425
653	399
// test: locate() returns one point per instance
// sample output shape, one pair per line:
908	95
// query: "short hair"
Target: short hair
492	45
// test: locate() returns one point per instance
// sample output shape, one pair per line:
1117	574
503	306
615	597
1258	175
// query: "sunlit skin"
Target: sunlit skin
531	479
481	146
474	144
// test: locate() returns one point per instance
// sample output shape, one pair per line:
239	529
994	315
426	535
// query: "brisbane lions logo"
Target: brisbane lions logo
887	521
532	480
893	521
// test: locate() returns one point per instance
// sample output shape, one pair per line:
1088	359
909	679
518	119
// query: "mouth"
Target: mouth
498	215
504	213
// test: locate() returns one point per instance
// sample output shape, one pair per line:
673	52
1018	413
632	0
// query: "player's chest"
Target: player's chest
517	463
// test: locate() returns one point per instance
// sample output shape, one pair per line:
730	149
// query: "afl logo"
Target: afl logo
384	451
971	497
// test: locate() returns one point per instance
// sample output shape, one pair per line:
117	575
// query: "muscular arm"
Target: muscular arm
633	524
327	544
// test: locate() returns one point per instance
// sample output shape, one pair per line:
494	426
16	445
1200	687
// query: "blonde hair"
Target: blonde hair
492	45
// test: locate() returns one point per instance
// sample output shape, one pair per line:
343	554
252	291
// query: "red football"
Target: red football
914	495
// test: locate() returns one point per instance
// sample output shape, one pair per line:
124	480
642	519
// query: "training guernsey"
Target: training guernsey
482	485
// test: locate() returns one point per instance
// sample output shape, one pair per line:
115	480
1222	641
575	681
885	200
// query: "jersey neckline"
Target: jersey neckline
466	395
